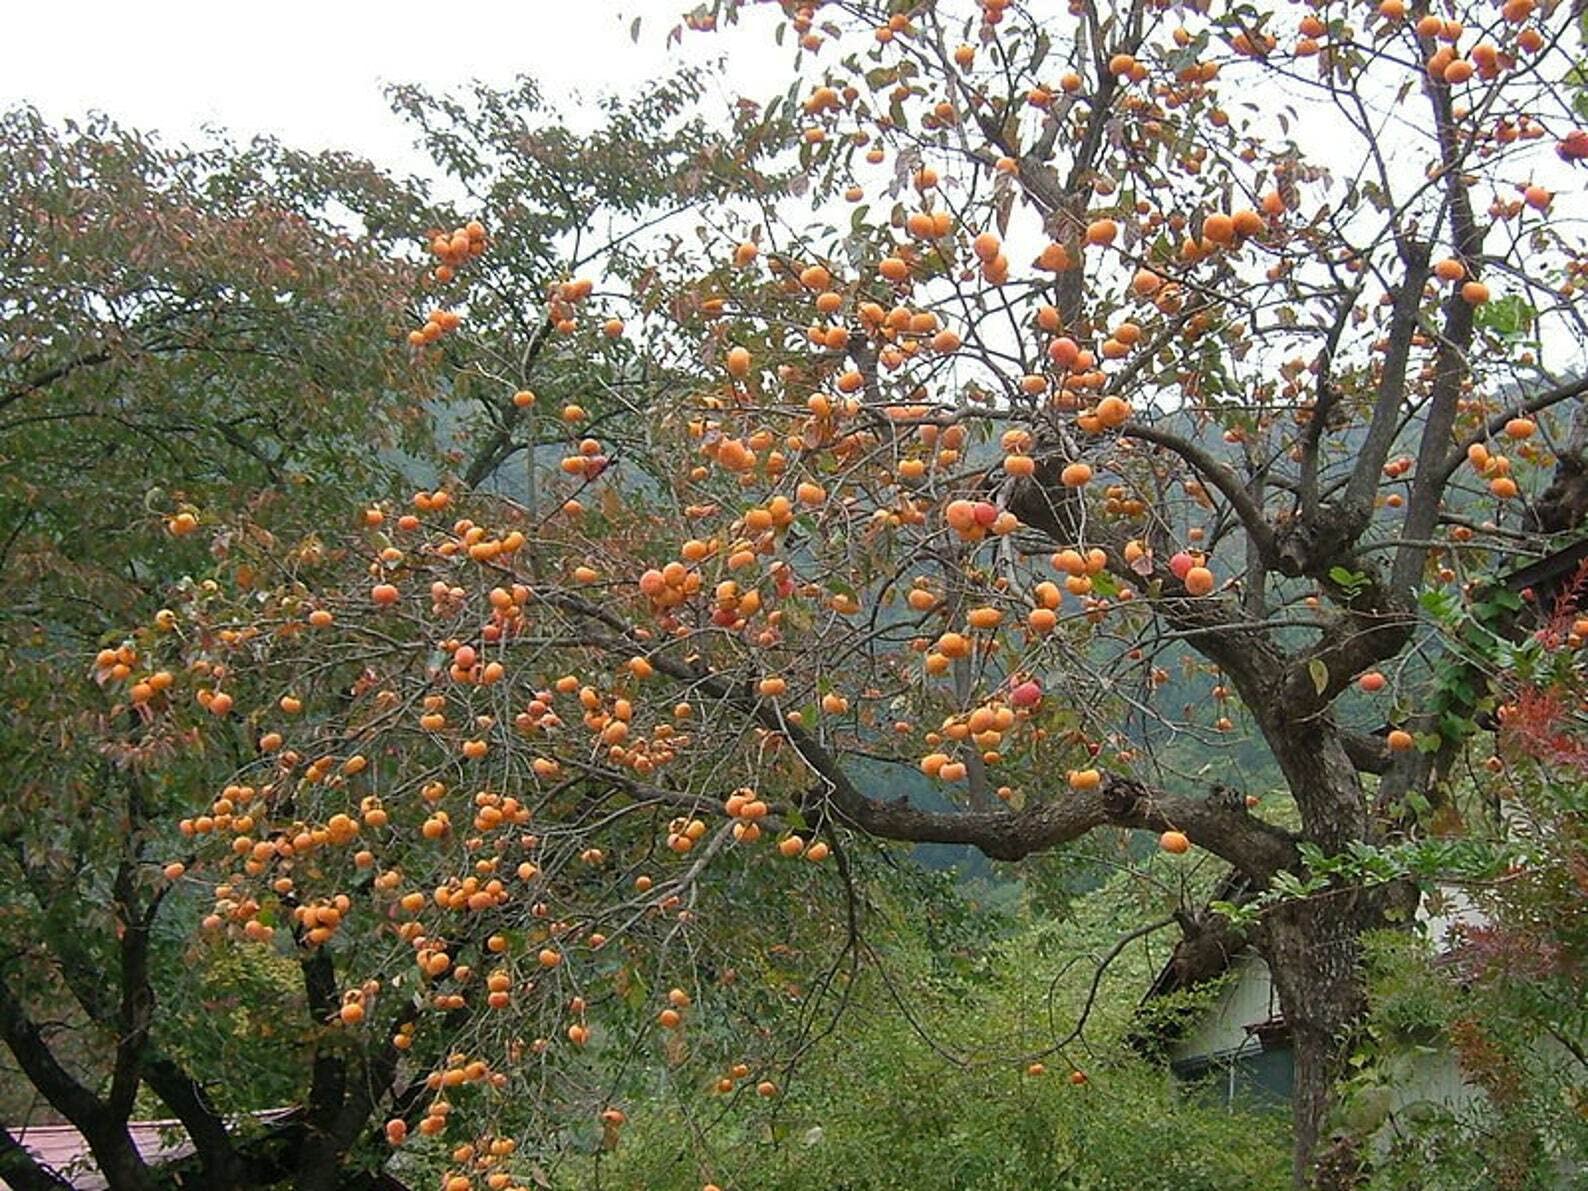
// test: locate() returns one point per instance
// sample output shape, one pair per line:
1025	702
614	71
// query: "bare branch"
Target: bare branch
1220	475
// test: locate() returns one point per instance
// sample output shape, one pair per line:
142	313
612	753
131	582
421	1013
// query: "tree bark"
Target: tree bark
221	1167
1313	948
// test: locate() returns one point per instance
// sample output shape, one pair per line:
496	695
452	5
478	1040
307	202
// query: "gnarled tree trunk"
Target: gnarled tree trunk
1313	948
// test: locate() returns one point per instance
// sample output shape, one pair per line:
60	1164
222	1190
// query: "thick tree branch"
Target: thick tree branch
1351	643
1257	848
22	1036
1357	504
212	1141
1369	753
328	1072
105	1133
373	1085
1450	358
136	1008
1533	405
84	978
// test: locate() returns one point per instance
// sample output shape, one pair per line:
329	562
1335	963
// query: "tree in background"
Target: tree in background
202	343
1113	368
182	330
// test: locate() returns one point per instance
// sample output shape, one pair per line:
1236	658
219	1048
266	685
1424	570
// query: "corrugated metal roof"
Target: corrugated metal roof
62	1150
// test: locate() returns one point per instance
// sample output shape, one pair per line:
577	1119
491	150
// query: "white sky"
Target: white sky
311	73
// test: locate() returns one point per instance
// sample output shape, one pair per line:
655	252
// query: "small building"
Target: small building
1238	1047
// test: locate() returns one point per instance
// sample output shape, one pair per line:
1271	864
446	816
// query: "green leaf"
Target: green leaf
1320	674
1507	599
1351	581
1509	316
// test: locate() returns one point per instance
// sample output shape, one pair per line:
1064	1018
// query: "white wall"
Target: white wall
1246	1000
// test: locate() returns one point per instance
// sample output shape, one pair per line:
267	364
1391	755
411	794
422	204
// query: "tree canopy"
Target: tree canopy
976	442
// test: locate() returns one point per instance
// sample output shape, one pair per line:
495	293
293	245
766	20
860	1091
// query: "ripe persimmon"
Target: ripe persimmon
1101	231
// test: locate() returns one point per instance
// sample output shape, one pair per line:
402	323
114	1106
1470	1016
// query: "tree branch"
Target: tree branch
1369	753
1222	477
183	1095
1327	394
22	1036
42	380
1357	504
105	1133
1550	397
137	997
1450	358
490	455
1257	848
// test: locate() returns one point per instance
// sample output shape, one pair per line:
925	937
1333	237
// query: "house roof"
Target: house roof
62	1150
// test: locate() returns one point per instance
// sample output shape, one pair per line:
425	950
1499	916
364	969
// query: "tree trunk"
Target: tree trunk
116	1156
1313	945
1313	948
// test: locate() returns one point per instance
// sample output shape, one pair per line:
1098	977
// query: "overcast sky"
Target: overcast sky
311	73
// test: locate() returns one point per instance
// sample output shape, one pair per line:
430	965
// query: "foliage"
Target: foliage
881	1105
565	799
182	330
1503	993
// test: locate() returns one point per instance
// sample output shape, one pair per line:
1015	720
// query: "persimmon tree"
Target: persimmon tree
1223	337
564	208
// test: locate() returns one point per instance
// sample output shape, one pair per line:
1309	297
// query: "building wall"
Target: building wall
1219	1048
1245	1000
